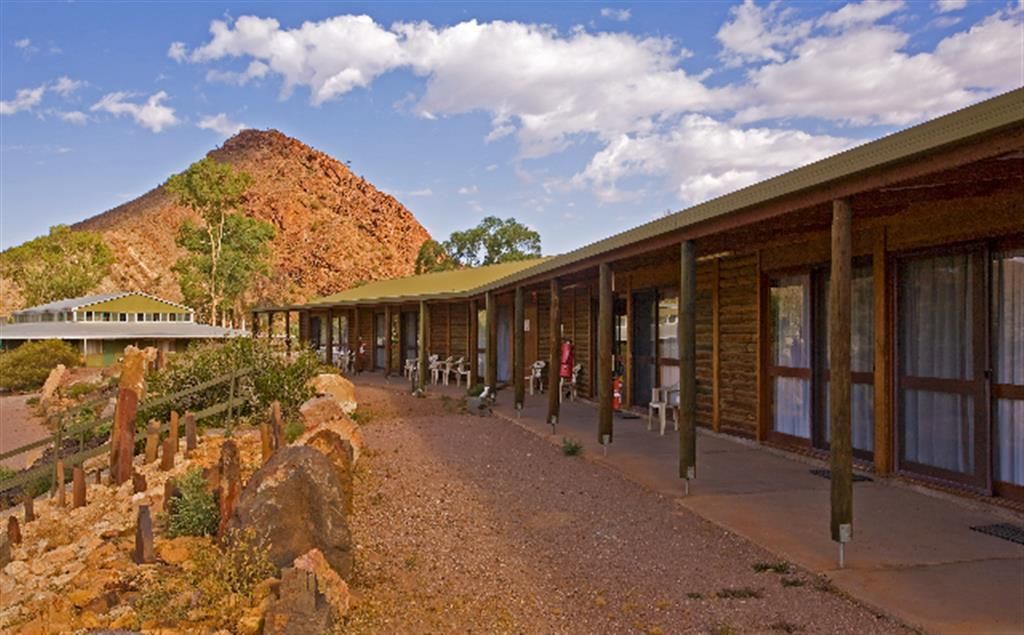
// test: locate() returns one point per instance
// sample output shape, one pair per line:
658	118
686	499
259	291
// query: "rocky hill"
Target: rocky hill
334	228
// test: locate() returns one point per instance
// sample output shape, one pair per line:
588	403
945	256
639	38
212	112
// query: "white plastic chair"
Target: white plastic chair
410	367
662	400
536	376
462	370
570	386
446	369
435	365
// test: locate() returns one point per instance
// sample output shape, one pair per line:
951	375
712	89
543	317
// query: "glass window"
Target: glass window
790	299
668	326
1008	362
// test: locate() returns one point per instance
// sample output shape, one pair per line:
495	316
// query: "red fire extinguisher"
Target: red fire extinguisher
617	393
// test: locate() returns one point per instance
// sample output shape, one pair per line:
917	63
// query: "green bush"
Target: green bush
293	430
27	366
475	391
273	378
193	512
571	447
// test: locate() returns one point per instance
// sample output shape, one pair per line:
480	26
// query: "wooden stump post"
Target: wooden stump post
152	440
99	476
519	348
491	367
686	335
170	491
144	537
174	430
30	510
13	531
61	494
123	444
191	440
388	319
167	455
230	482
422	354
266	442
139	484
277	425
78	487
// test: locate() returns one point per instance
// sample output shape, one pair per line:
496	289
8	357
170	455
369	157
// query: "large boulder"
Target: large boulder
297	502
340	453
337	388
325	413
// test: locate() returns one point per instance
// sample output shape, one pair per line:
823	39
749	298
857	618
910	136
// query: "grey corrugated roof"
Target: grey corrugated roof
71	303
113	331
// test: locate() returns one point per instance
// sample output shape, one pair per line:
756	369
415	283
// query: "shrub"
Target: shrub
739	593
774	567
293	430
236	569
273	378
76	391
475	391
27	366
193	512
571	447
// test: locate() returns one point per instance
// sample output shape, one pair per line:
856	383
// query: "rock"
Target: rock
5	551
341	390
339	452
324	412
328	582
176	550
296	610
296	502
82	597
52	383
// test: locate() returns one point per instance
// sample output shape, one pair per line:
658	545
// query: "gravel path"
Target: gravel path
469	524
18	427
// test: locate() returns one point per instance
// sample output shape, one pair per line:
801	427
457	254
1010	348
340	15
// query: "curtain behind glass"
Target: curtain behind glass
936	340
791	348
862	359
1008	361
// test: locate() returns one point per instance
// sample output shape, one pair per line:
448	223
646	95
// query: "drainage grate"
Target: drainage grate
857	478
1006	531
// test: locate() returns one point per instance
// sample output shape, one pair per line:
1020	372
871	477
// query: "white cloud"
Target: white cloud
65	86
621	15
76	117
23	43
492	167
255	70
151	114
988	55
944	6
759	33
424	192
221	124
866	12
24	99
177	52
468	189
702	158
330	57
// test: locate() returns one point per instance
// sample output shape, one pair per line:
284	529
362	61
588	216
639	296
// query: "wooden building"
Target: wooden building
867	307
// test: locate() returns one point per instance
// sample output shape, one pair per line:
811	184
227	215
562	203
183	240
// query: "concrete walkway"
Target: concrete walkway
913	554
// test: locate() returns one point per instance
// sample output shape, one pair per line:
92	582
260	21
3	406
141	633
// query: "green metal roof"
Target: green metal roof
429	286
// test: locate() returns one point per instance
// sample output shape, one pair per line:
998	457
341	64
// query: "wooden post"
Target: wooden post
387	341
30	509
491	365
139	483
144	553
78	487
230	483
13	531
61	494
764	335
173	430
473	345
99	476
288	332
277	425
353	341
840	380
152	440
191	441
519	347
421	348
329	355
124	430
687	338
266	443
255	324
882	355
716	346
605	307
554	353
167	455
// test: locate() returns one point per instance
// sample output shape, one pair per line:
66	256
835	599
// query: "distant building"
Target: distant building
102	325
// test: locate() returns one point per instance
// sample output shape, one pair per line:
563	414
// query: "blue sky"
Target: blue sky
580	119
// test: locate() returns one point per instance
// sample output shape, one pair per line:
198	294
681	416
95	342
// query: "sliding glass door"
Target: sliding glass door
1008	370
789	364
943	410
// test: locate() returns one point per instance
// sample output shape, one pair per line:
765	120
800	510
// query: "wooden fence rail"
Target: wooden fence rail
27	476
